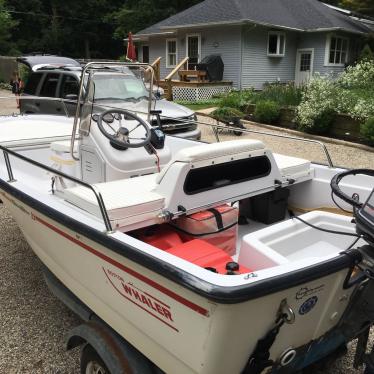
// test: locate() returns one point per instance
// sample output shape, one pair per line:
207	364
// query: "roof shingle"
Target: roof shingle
303	15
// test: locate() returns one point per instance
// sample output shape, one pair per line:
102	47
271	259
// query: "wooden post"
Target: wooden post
170	90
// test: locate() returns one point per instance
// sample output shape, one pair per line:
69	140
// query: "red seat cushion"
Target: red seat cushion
161	237
204	254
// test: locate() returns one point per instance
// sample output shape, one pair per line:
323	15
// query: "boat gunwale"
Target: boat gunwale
216	293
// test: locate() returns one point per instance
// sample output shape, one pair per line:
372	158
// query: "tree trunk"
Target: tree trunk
87	49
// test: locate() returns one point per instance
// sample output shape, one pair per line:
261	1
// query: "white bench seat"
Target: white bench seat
138	202
127	201
293	167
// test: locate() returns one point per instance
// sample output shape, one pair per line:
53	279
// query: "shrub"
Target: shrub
24	73
322	123
367	130
360	75
5	86
319	98
236	99
366	54
267	111
284	95
226	114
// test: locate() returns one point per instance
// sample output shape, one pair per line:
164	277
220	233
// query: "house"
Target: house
259	41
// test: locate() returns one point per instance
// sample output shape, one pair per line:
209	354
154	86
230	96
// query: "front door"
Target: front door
145	50
304	66
193	50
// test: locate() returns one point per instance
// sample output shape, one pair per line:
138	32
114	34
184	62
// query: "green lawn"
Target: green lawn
196	107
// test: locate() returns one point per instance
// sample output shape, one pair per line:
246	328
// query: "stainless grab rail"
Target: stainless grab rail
231	128
245	130
97	194
91	65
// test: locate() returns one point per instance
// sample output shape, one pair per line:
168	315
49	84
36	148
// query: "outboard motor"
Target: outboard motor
365	220
359	317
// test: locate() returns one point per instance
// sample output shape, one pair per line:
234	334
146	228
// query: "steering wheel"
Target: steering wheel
121	138
338	192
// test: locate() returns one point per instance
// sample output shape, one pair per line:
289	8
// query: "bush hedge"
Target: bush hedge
267	111
226	114
367	131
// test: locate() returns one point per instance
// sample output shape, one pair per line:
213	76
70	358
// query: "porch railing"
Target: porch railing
168	79
156	65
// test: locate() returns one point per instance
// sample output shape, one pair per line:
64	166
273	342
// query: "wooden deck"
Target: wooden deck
188	79
193	90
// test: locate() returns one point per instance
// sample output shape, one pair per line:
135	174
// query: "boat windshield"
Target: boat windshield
118	87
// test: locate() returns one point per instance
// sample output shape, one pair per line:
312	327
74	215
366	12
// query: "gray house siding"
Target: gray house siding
317	41
244	52
257	67
222	41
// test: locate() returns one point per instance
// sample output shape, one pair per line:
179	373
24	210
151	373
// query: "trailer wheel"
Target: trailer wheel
238	133
91	362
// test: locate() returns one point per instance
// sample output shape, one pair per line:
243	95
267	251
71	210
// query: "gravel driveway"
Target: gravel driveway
33	323
7	106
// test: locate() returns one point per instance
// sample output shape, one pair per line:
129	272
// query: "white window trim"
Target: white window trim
167	52
198	44
297	68
327	50
278	33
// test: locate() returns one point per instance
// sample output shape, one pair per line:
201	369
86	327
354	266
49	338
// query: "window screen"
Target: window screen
276	43
171	52
338	50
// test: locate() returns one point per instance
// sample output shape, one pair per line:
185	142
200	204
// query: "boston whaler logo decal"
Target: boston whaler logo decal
308	305
141	298
307	292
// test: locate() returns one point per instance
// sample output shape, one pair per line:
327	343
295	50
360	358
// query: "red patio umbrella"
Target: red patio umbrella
131	53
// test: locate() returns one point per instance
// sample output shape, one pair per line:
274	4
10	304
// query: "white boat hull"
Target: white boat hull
184	334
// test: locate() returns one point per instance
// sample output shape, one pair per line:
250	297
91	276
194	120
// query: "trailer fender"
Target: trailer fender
118	355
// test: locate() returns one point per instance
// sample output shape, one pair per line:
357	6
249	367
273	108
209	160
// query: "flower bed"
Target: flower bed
317	107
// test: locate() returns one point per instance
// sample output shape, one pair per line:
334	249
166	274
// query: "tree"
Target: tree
365	7
6	25
136	15
366	54
71	28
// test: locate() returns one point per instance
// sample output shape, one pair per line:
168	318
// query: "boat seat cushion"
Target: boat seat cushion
219	152
215	150
127	201
293	167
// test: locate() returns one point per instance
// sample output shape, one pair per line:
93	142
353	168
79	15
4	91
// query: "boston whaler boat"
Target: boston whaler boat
188	257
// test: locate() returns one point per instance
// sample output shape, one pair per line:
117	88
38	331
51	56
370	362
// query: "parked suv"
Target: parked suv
113	88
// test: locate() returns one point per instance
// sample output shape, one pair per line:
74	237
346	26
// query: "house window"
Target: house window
276	44
336	50
171	53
